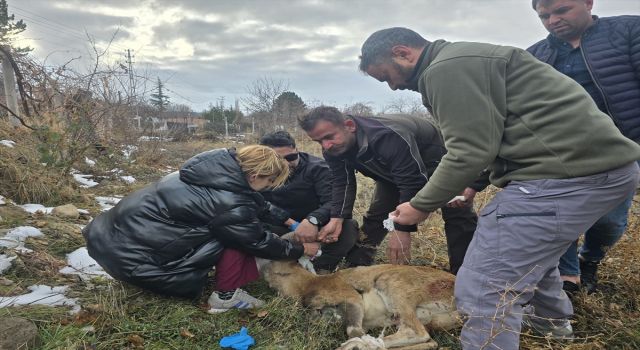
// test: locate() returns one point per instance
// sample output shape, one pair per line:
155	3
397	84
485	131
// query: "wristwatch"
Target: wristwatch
314	220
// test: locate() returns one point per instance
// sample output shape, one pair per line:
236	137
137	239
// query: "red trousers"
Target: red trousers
234	270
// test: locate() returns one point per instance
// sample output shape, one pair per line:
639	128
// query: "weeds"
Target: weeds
119	316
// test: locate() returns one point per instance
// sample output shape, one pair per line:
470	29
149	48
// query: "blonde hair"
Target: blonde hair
263	161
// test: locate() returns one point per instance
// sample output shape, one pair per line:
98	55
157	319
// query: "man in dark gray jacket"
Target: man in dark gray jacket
306	200
603	56
399	153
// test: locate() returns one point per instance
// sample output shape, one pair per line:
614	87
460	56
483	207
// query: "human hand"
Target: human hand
331	231
306	232
399	247
311	249
405	214
468	194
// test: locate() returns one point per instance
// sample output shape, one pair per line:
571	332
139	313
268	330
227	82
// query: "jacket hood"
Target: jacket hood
217	168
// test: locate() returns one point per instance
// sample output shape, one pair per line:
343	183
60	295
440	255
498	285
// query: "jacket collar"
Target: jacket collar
427	56
303	159
417	70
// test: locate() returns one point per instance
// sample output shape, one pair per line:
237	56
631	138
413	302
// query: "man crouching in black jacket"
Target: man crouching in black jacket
399	152
306	198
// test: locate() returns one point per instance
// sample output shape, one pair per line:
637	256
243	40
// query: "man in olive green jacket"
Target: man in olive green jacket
560	162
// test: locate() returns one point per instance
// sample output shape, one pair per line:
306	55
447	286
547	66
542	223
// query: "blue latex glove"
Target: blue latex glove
294	226
238	341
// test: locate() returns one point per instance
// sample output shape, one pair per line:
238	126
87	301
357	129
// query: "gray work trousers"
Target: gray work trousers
513	257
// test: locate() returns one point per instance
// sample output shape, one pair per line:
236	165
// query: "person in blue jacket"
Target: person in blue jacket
603	55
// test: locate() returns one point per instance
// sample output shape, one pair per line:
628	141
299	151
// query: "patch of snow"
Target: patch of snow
5	263
149	138
89	162
42	295
7	143
80	263
107	202
15	238
84	181
83	211
116	170
128	179
2	201
34	208
128	150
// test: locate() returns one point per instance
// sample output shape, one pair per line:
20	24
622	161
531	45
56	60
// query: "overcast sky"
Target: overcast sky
207	49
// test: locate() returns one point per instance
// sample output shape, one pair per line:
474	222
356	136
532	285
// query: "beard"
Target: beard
406	73
333	151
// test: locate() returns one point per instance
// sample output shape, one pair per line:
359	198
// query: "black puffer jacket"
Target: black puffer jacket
167	237
611	49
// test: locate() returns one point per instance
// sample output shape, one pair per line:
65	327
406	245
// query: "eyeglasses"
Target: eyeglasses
291	157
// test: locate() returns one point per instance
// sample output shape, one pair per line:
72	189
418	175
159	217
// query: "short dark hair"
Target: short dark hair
377	48
279	138
331	114
534	3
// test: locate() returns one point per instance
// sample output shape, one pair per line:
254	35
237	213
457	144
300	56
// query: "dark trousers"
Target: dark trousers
459	225
332	253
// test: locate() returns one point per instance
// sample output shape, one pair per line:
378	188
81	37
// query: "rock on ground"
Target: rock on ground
66	211
18	333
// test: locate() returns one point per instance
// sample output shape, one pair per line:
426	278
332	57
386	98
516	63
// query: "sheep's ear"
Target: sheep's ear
262	264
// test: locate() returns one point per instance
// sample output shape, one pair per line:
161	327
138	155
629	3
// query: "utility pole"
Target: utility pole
132	85
224	115
132	89
10	87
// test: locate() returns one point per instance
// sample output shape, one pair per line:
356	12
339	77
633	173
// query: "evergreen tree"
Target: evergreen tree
287	107
9	28
216	115
159	99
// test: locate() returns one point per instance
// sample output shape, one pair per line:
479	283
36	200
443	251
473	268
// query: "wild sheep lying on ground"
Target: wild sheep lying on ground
368	297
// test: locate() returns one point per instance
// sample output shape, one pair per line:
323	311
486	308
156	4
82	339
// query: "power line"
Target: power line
60	30
47	19
51	27
58	44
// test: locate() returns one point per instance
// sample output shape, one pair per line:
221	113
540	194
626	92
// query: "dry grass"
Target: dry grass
125	317
26	180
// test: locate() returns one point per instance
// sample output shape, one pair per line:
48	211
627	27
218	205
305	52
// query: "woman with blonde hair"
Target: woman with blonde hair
167	236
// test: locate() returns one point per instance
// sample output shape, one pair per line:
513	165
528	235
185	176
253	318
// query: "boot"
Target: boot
588	275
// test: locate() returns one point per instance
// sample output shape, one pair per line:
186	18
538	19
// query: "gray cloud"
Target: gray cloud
206	49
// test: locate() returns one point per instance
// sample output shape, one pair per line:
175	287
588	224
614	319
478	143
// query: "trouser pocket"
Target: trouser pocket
518	228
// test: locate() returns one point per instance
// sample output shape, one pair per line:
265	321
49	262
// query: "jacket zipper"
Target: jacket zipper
544	213
595	82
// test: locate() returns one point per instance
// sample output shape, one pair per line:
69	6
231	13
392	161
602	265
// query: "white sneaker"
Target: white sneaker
239	300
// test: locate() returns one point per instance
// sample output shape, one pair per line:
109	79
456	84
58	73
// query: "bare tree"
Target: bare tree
361	109
72	111
403	105
262	94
